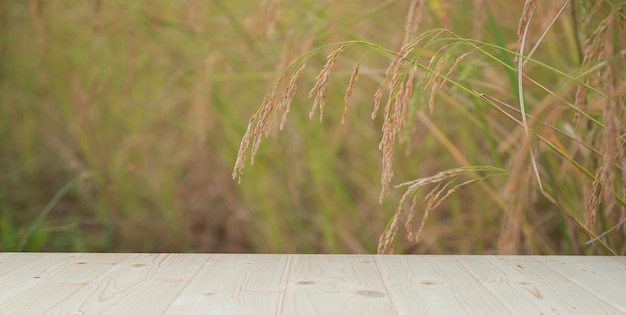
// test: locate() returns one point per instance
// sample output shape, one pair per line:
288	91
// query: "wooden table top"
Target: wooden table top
84	283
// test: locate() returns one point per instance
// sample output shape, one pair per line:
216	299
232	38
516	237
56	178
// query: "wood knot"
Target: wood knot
429	283
369	293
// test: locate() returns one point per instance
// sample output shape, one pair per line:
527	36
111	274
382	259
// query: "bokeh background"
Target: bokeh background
120	123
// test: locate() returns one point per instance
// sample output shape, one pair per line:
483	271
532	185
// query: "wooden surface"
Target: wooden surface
56	283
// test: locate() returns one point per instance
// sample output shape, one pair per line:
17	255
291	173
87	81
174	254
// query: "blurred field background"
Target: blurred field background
120	123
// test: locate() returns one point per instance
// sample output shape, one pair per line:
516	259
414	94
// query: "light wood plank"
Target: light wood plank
62	283
621	259
513	289
139	284
333	284
435	285
538	284
235	284
604	279
47	279
9	261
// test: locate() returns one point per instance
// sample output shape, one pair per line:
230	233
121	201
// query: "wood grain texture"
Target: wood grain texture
138	284
332	284
526	286
235	284
35	283
73	283
603	279
435	285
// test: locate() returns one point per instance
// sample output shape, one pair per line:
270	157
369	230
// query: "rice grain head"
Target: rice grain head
452	69
412	20
594	200
593	52
272	17
290	93
354	77
395	110
527	13
319	90
259	125
443	189
433	82
612	112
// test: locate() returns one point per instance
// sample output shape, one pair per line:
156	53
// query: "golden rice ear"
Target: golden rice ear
444	187
594	200
378	96
613	113
452	69
319	90
290	93
604	45
243	150
413	20
395	110
272	17
354	77
593	50
527	13
259	125
434	83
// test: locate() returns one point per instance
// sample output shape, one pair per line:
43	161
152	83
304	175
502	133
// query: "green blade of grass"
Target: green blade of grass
505	57
46	210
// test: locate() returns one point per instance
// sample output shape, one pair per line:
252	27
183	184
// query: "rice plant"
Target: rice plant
551	127
120	123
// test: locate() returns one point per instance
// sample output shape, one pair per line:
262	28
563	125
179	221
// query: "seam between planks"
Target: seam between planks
385	284
182	289
286	276
620	259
